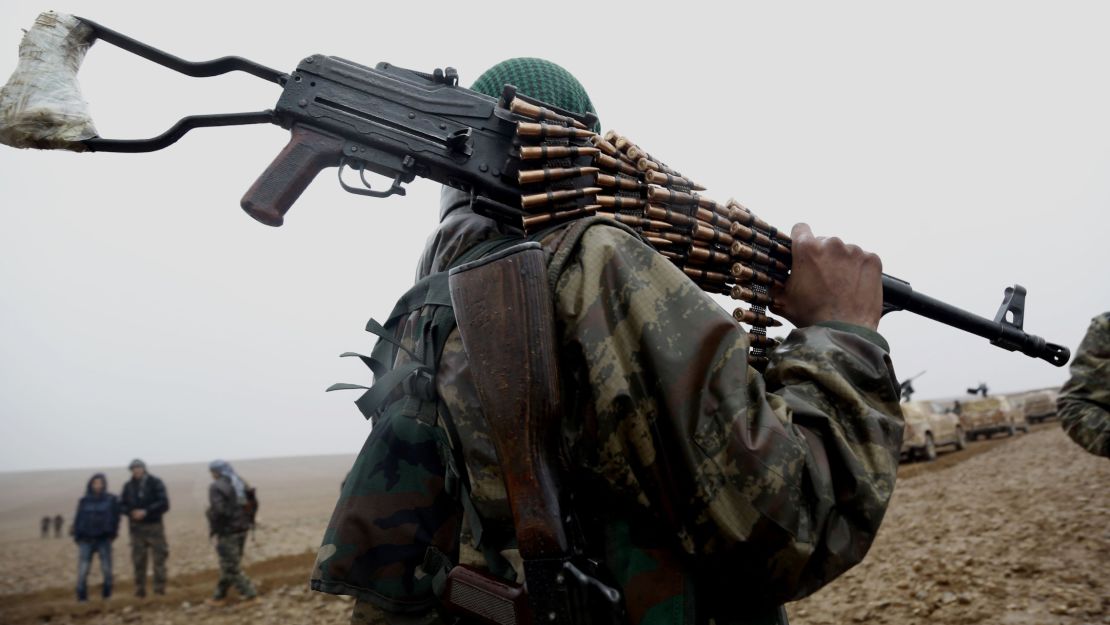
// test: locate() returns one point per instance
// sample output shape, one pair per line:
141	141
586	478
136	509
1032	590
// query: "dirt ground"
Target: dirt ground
1009	531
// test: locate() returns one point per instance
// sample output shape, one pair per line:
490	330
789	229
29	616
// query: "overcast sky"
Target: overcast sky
142	313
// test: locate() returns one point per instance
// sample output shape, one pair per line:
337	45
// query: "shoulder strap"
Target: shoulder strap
443	324
416	377
506	317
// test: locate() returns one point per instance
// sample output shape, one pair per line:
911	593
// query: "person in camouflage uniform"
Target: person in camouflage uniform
1084	402
711	493
144	500
229	521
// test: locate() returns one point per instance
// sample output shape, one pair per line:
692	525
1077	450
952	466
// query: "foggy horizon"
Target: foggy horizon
153	467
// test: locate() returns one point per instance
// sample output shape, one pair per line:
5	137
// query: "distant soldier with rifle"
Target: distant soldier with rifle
906	389
231	507
1084	402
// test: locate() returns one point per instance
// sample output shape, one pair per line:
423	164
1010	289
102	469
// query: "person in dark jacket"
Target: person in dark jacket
144	501
229	519
94	528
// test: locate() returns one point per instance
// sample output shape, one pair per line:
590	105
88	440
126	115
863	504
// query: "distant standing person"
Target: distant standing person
1084	402
44	526
59	521
144	501
94	528
231	506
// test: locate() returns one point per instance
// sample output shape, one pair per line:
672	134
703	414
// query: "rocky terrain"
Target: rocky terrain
1010	531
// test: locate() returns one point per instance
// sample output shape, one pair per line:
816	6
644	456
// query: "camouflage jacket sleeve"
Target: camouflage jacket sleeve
780	481
1084	403
221	498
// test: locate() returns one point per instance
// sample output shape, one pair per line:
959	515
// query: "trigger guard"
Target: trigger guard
396	188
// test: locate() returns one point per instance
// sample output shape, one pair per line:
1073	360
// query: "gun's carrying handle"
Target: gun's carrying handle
307	153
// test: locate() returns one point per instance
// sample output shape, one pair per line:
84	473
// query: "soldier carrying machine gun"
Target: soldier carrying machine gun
529	164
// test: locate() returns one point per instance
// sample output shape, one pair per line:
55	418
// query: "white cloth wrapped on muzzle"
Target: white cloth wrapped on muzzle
41	104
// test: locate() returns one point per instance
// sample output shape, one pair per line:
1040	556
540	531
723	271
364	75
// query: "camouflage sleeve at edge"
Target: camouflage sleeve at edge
787	488
1084	403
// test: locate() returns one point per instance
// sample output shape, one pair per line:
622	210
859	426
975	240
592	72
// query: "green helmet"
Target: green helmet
539	79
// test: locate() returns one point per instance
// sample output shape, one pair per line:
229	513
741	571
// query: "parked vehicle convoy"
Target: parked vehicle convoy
927	428
1038	405
986	416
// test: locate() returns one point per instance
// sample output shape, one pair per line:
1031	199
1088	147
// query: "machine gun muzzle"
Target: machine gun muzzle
1004	331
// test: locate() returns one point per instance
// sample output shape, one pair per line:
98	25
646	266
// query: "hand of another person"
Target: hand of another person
138	515
830	281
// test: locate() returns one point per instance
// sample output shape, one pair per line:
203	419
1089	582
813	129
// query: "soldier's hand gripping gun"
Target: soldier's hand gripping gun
524	162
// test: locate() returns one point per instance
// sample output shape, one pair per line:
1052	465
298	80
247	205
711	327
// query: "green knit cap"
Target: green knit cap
539	79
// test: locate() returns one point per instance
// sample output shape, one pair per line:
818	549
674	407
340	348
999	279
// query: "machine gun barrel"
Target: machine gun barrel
1004	331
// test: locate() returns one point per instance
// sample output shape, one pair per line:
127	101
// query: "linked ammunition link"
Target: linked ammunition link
567	172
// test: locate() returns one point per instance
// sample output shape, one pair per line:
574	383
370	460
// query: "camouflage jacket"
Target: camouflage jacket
1084	402
225	513
713	492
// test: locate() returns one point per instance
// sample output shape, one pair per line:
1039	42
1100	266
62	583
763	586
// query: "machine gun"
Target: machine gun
522	161
979	390
905	387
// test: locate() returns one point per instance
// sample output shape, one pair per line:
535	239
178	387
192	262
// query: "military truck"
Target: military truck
981	418
1038	405
927	428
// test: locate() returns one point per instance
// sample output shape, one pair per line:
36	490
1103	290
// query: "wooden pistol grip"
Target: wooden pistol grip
483	599
506	318
307	152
